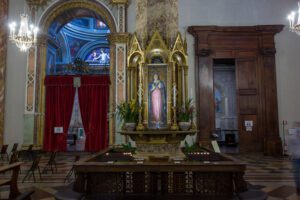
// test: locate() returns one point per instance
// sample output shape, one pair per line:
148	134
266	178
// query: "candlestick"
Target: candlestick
140	95
174	96
140	86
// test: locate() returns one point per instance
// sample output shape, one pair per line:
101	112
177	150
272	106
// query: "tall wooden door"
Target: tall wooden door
248	105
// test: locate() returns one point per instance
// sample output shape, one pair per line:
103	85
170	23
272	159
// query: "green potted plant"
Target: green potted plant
185	114
128	112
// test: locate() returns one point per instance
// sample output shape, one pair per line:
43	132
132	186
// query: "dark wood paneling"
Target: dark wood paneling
248	140
253	48
206	96
246	74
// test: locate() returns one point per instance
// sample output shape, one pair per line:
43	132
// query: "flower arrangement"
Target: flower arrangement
128	111
185	112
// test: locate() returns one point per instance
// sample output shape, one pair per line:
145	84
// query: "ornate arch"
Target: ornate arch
65	11
61	7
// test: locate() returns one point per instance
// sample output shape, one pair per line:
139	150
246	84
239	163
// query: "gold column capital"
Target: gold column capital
42	40
118	38
119	1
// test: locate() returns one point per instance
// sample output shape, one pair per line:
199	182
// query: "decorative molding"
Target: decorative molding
119	1
121	18
42	40
61	7
197	30
204	52
268	51
120	77
115	38
37	2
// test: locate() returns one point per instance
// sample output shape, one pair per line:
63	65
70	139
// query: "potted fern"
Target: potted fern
185	115
128	112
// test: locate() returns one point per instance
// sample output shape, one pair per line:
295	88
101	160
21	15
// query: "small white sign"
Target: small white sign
76	82
248	128
248	123
58	129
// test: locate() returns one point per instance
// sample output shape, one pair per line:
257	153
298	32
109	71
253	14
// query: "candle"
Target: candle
191	93
174	96
140	95
140	86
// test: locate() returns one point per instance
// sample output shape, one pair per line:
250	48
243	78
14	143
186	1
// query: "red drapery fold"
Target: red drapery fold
93	101
59	103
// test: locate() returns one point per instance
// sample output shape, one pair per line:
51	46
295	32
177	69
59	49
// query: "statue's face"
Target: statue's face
155	76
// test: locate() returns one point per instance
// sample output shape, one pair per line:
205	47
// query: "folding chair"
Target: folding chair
34	166
14	157
3	152
28	153
15	148
72	169
51	164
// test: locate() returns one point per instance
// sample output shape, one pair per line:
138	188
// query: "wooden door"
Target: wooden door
248	104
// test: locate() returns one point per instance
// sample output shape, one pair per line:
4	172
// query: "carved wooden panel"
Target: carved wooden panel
246	74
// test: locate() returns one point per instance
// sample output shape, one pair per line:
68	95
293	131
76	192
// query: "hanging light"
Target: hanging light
26	36
294	19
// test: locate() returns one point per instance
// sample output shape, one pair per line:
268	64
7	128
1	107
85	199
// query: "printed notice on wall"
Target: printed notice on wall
249	125
58	129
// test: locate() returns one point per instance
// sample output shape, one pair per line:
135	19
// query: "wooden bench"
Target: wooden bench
14	192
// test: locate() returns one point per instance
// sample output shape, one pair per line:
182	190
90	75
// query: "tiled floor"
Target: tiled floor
272	175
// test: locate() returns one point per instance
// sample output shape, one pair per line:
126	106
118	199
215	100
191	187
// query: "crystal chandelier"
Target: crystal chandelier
26	36
294	19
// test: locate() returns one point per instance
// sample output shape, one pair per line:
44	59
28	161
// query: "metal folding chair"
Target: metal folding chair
33	168
3	152
68	177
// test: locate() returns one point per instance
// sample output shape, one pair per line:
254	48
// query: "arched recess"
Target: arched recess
181	71
63	12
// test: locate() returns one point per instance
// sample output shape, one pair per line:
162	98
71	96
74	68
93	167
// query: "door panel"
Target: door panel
248	104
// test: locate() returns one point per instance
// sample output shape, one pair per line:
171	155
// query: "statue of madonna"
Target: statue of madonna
157	103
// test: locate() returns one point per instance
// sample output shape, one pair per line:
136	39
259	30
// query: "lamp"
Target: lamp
26	36
294	19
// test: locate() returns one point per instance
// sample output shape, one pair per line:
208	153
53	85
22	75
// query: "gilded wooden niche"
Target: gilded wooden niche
157	79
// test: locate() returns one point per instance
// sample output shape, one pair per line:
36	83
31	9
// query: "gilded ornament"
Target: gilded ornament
118	38
119	1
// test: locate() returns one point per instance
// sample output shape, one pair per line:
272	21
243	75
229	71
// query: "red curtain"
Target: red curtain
93	101
59	103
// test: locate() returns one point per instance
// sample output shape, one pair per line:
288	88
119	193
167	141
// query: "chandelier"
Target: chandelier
294	19
26	36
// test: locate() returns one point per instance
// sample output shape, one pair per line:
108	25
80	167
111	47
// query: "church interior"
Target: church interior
152	99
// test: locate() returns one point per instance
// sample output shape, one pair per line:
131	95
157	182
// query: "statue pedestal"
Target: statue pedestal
158	143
